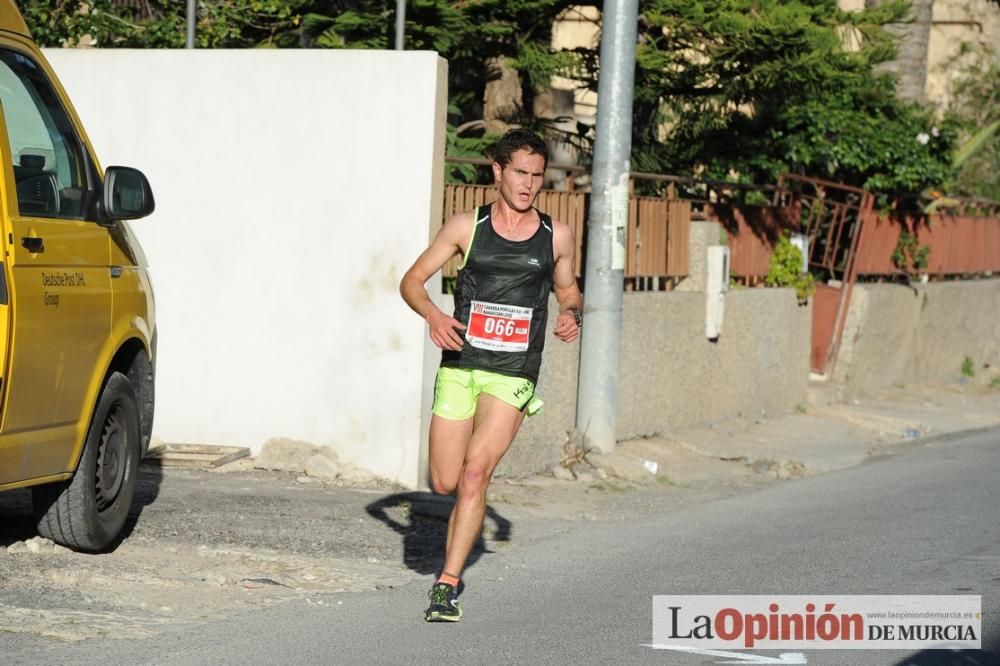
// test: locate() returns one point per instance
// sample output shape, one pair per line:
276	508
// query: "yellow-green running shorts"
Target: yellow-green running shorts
456	391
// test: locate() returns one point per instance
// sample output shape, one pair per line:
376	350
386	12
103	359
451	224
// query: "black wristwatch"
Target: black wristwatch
578	317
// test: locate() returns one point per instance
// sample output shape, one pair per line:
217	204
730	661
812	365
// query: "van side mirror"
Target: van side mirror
127	194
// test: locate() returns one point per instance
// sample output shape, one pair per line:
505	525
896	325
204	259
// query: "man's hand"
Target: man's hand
443	330
566	327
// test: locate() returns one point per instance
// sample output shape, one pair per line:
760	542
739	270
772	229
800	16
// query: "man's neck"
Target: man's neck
510	217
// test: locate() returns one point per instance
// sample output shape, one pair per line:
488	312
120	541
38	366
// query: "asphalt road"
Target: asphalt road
922	523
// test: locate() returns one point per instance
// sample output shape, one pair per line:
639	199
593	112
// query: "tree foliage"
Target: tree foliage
975	105
161	23
749	89
724	89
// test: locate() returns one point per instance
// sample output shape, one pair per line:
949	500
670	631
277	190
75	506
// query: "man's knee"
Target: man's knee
475	478
441	485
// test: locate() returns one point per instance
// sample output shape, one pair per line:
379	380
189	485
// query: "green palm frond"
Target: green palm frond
975	144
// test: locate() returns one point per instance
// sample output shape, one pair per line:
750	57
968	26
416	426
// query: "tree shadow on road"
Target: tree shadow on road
983	657
989	655
422	520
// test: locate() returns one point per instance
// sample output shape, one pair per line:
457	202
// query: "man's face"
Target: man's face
521	179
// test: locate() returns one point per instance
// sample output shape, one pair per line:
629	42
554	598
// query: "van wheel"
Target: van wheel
88	512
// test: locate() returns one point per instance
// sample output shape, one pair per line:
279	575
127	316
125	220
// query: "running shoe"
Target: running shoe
444	604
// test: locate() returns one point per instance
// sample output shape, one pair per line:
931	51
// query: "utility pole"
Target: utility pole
400	23
597	396
192	17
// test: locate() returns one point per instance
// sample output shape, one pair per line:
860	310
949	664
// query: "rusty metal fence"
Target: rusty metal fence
847	238
831	215
959	244
751	234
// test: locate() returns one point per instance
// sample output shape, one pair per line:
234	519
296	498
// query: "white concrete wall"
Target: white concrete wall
293	188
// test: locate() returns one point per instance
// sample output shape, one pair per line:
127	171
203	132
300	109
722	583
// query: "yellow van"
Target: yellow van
77	325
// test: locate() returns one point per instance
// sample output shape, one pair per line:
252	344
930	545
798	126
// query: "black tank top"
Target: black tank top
502	296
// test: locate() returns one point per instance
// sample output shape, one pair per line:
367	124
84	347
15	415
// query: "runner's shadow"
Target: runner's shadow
422	520
984	657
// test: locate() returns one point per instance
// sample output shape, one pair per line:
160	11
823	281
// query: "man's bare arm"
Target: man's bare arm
449	241
570	299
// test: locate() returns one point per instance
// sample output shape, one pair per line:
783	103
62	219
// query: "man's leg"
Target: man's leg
496	424
449	443
464	452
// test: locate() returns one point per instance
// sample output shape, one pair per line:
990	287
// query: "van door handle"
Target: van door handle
33	244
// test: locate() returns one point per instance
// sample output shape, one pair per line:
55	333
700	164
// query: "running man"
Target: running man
513	255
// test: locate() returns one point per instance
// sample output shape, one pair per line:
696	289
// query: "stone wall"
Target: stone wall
896	334
672	376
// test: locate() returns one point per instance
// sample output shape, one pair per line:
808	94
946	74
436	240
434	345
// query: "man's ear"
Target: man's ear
497	170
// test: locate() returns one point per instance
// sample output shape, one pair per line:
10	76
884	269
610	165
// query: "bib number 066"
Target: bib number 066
499	327
502	328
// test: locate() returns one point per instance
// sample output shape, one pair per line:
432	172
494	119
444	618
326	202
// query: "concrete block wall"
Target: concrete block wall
672	377
896	334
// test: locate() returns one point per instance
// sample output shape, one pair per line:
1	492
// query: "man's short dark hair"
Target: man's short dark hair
515	140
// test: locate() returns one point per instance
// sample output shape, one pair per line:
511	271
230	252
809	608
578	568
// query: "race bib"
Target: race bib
502	328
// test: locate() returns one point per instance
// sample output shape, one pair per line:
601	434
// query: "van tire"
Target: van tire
87	512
